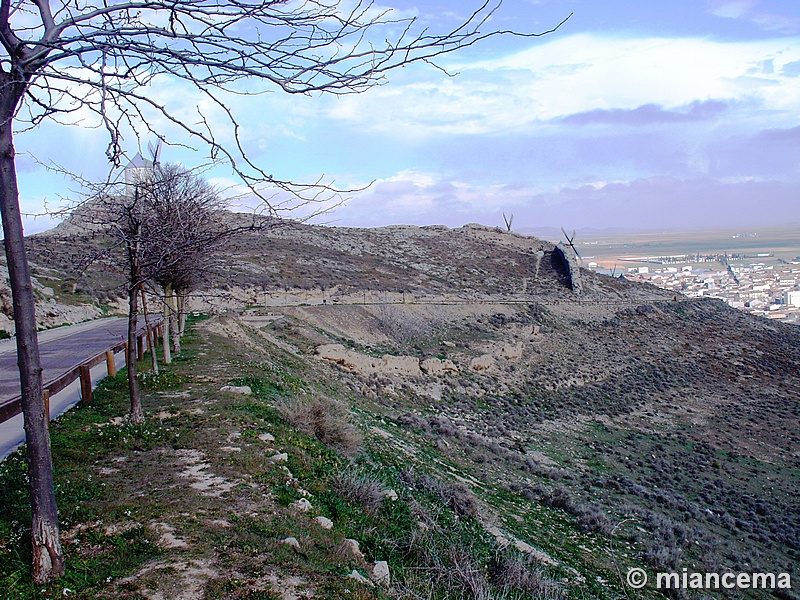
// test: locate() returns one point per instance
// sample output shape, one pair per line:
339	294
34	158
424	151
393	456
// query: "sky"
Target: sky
664	114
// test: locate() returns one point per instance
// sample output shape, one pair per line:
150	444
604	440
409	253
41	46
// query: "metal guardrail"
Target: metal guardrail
82	371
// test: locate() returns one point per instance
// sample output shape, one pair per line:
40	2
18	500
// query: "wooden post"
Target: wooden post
86	384
110	366
46	396
140	348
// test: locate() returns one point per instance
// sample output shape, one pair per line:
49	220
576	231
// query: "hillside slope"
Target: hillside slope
539	443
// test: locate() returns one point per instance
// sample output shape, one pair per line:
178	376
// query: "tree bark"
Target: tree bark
137	414
151	344
174	325
165	339
182	297
48	559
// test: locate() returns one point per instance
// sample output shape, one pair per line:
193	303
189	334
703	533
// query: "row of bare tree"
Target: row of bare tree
163	225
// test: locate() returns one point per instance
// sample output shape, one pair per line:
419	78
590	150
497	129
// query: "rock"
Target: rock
435	366
302	505
362	364
512	351
349	550
482	363
360	578
380	573
449	344
401	365
266	437
291	541
390	494
237	389
280	457
324	522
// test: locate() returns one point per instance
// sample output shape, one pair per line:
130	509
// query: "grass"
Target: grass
118	486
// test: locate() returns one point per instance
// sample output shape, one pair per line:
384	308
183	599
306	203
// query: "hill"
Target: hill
465	415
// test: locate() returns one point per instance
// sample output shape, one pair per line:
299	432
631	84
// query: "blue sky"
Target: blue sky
642	115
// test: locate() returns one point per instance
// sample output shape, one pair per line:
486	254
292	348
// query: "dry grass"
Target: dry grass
326	419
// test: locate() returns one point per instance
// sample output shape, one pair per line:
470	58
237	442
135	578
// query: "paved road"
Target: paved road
61	350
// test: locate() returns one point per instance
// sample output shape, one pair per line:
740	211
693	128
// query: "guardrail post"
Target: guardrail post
110	365
139	347
86	384
46	397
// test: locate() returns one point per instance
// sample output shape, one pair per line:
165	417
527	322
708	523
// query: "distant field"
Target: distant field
606	248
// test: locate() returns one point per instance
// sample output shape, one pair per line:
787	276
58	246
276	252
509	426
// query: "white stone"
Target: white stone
380	573
482	363
360	578
291	541
302	505
324	522
266	437
280	457
391	495
237	389
434	366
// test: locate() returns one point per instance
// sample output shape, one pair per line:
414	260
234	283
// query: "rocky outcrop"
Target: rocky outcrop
355	362
437	367
512	351
482	363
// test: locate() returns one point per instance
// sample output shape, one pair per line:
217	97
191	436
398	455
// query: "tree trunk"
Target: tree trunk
48	559
151	345
137	414
182	311
173	315
165	339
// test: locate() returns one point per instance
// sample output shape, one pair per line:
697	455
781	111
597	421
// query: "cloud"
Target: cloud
644	203
733	10
749	10
767	154
791	69
649	114
583	73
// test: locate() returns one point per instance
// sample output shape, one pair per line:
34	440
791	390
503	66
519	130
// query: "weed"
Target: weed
326	419
358	486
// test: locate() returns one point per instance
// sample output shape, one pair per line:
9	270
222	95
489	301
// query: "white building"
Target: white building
792	298
138	170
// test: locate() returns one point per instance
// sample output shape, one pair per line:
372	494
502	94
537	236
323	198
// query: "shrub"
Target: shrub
325	419
457	496
358	486
514	572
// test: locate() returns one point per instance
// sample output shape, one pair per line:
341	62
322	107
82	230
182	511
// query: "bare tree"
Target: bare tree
162	224
66	56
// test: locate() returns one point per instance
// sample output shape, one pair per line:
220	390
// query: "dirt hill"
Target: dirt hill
537	443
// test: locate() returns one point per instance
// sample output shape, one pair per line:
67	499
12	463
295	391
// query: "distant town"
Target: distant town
756	271
758	284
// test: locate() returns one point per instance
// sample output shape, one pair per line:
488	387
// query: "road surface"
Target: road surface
61	349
